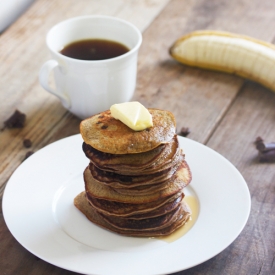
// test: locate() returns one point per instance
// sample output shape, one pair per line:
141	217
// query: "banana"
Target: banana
227	52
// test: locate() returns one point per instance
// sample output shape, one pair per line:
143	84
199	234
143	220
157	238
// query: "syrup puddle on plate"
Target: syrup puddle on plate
193	204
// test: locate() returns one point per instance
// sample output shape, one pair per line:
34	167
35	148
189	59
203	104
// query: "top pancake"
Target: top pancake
109	135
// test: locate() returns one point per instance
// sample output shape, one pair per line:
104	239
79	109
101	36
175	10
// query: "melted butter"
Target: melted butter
194	206
133	114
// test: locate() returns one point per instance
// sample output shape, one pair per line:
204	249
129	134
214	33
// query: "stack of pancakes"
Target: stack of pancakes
135	179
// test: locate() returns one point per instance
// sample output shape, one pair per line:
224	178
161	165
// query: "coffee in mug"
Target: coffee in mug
94	49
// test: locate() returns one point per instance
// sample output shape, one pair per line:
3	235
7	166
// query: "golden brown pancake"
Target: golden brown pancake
127	181
121	209
95	189
160	165
82	204
144	190
109	135
148	188
139	160
166	159
146	224
163	209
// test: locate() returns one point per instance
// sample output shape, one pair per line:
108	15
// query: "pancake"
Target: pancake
163	209
82	204
121	209
147	189
154	223
117	181
144	190
109	135
139	160
161	165
168	158
179	180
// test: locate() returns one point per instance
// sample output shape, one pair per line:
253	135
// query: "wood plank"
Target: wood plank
251	115
47	120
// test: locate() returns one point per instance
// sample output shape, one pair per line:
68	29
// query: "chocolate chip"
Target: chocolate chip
266	150
27	143
184	132
104	127
17	120
262	146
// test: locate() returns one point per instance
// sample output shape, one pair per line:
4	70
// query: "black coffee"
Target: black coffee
94	49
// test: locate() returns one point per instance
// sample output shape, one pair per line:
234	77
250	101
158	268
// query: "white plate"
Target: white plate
38	210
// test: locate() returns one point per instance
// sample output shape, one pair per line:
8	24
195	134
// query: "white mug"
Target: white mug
89	87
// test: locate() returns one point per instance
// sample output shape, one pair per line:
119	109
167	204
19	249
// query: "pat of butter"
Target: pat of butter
133	114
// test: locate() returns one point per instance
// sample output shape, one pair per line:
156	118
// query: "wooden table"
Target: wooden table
223	111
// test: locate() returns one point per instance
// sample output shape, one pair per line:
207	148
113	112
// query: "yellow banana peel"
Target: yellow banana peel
227	52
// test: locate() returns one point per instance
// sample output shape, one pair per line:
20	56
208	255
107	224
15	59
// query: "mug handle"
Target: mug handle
44	81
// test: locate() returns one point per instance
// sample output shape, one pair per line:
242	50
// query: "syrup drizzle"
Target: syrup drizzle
194	205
